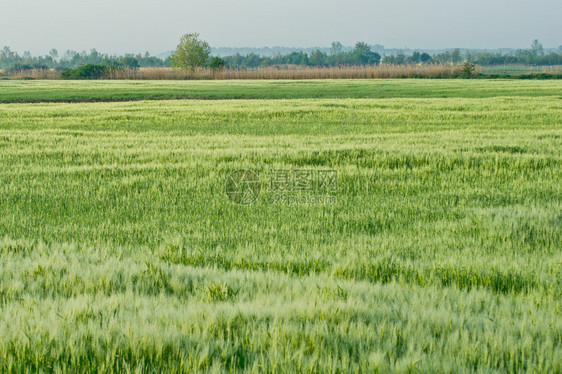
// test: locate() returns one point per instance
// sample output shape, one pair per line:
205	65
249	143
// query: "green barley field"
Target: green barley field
433	245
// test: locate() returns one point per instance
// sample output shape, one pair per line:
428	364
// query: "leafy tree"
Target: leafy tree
129	61
217	63
267	61
364	56
6	51
526	56
425	57
54	54
253	60
94	58
415	57
456	56
537	48
191	52
317	58
399	59
336	48
467	69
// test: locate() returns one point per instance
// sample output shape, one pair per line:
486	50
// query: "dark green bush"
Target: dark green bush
468	69
87	72
217	63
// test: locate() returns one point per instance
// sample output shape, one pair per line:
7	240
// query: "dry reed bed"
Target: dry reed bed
293	72
289	72
271	72
34	74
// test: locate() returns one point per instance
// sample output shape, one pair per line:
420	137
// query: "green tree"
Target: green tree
336	48
54	54
456	56
217	63
129	61
191	52
415	57
468	69
425	57
364	56
537	48
317	58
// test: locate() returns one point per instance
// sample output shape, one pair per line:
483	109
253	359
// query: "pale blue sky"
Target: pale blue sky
142	25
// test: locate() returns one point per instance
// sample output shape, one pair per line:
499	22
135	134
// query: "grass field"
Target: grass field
121	251
14	91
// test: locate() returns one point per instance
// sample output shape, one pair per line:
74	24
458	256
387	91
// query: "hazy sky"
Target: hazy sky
156	26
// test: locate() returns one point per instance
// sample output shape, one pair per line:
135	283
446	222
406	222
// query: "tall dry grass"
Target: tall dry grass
293	72
270	72
33	74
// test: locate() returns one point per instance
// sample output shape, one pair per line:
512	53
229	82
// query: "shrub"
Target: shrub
468	69
217	63
87	72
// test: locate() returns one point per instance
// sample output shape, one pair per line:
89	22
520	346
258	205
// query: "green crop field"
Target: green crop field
129	241
18	91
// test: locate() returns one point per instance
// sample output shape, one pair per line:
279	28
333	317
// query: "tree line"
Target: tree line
193	52
11	60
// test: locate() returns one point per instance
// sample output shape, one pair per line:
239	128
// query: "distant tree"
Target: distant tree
94	57
217	63
191	52
317	58
252	60
467	69
425	57
236	60
526	56
69	55
415	57
267	61
336	48
129	61
54	54
399	59
8	58
456	56
364	56
442	57
536	48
